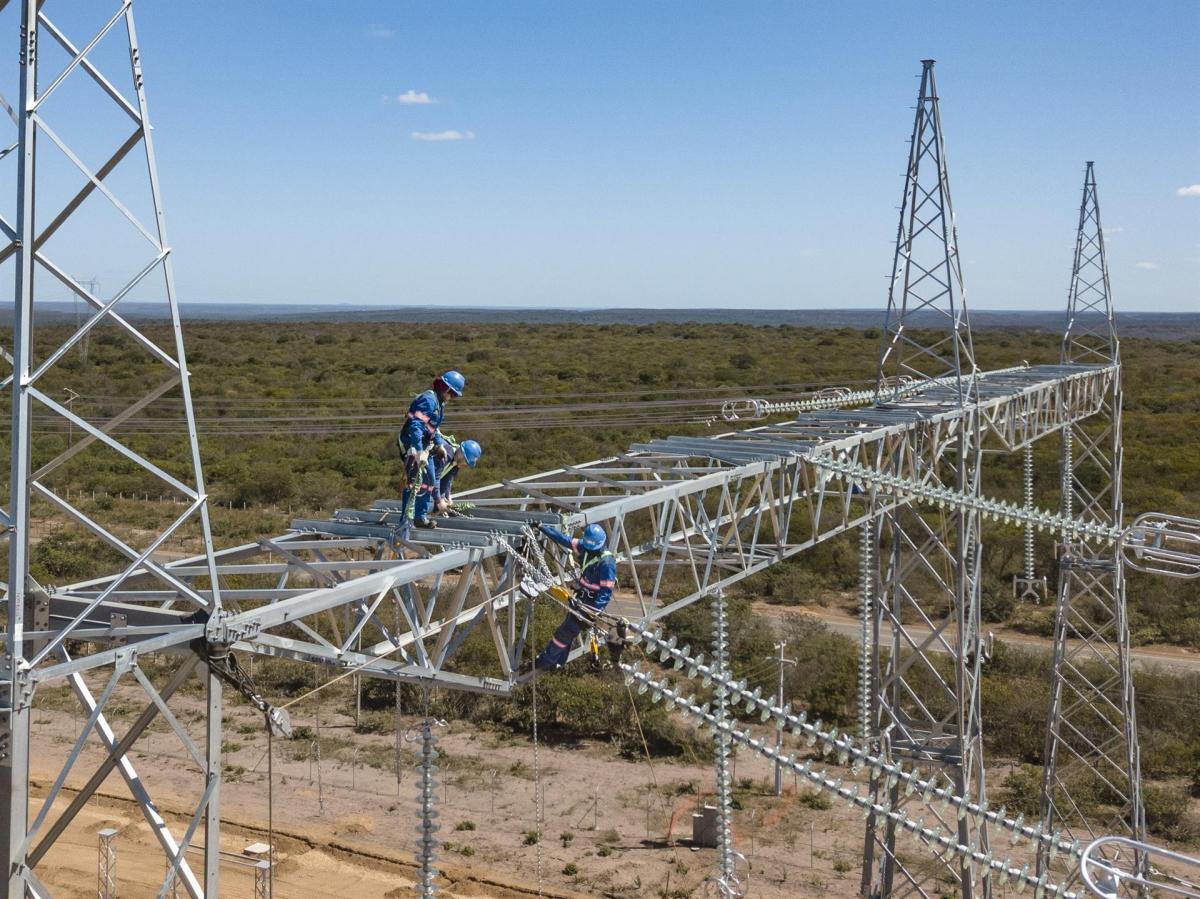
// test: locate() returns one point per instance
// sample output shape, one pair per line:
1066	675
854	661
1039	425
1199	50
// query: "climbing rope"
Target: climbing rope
270	812
538	811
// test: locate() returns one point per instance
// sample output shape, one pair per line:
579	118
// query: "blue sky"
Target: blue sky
663	153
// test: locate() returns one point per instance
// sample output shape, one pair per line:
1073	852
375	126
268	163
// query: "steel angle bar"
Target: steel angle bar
175	638
78	56
113	444
107	427
45	128
369	665
145	564
86	328
64	42
65	632
327	598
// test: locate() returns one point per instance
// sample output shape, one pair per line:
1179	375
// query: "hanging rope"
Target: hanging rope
538	811
270	811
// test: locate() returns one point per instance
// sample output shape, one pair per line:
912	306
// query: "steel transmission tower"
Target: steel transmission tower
926	682
1091	739
37	642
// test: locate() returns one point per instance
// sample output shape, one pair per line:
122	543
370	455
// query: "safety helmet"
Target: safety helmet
453	381
471	451
594	538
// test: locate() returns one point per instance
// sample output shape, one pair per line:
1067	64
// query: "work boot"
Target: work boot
425	523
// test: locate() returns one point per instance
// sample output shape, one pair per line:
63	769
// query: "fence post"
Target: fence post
106	865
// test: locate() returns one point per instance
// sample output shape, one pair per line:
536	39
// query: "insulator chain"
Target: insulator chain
848	753
993	509
866	575
726	882
945	842
893	389
1027	495
427	830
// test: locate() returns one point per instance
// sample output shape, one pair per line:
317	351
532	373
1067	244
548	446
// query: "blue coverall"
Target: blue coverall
439	477
420	432
593	590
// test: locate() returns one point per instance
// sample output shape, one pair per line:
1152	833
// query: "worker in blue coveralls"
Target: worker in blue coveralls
593	589
418	437
445	458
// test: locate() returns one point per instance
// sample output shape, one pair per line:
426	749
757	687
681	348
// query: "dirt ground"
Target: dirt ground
347	828
347	825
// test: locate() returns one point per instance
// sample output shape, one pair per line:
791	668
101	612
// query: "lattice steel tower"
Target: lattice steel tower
53	70
927	711
1091	738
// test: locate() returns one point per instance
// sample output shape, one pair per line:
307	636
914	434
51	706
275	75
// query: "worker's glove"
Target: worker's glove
443	504
422	458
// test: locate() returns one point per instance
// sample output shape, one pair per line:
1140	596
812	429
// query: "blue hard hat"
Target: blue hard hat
471	451
594	538
454	382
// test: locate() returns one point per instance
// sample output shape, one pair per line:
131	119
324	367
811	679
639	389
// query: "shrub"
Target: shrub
465	825
1167	814
532	838
570	869
815	799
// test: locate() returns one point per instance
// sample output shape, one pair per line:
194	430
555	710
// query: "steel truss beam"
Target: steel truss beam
687	517
1091	734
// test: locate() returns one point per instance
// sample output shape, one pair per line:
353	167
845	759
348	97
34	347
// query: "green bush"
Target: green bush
1167	814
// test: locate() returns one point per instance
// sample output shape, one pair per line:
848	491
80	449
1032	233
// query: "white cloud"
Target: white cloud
1148	266
443	135
380	32
415	98
1192	190
1117	230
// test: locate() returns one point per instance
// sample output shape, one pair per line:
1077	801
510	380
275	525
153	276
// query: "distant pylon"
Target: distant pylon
925	689
927	333
1091	737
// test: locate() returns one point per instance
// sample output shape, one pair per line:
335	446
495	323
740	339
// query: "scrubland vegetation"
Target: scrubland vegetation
323	370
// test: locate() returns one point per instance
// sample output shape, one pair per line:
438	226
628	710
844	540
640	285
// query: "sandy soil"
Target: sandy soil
349	829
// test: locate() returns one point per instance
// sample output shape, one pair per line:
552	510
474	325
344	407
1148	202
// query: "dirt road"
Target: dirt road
1174	657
